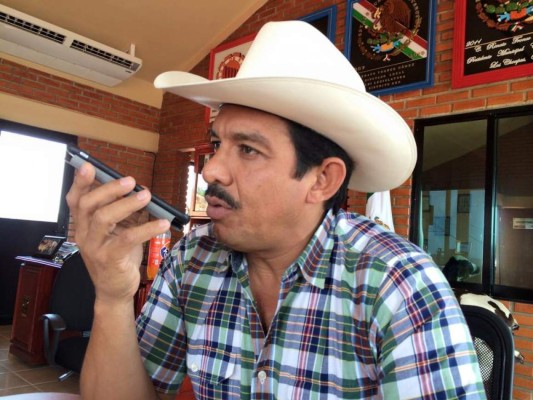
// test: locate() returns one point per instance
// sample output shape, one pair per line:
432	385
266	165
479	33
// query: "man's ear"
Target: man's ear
329	177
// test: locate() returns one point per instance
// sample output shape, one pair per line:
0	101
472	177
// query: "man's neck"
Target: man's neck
266	269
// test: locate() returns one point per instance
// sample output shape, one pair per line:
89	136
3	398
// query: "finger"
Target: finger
123	251
136	219
92	199
107	216
83	179
98	197
134	235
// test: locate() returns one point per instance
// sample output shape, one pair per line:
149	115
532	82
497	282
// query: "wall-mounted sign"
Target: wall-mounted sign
493	41
390	43
522	223
225	61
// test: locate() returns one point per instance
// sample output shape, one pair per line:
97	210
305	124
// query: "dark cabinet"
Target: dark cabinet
34	288
36	278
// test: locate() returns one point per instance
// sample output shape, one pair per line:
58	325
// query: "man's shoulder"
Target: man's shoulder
366	235
372	246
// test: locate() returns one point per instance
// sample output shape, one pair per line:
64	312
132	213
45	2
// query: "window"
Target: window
196	186
33	174
473	199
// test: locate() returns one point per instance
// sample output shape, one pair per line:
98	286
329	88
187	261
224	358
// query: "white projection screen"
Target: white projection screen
31	177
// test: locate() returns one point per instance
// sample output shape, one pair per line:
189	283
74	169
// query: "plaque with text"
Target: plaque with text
390	43
493	41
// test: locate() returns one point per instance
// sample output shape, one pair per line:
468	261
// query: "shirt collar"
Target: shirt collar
314	261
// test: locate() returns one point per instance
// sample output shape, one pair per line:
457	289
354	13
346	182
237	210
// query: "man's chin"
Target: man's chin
228	236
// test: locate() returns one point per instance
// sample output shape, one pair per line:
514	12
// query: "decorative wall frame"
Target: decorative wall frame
391	43
492	41
324	20
225	61
48	246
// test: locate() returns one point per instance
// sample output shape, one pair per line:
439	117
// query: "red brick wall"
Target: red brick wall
523	381
182	125
26	82
128	161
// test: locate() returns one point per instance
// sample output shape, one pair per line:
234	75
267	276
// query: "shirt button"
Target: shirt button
194	367
262	376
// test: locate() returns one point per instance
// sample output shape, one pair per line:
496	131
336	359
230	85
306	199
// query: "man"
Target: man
283	295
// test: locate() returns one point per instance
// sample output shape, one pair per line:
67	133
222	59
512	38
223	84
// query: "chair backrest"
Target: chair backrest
73	295
494	345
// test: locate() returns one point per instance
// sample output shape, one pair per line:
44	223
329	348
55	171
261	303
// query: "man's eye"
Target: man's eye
247	149
216	145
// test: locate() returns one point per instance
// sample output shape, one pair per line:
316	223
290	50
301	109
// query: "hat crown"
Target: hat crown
293	71
297	49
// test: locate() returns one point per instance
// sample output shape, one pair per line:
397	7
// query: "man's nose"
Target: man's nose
216	169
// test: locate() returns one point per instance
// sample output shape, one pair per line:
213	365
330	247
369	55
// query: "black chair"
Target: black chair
67	325
494	345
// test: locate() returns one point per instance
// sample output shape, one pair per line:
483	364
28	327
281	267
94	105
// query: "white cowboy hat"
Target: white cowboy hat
294	71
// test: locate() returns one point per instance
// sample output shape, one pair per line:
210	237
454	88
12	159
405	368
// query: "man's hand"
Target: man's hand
109	234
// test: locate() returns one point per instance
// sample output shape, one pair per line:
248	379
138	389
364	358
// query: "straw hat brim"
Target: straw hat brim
371	132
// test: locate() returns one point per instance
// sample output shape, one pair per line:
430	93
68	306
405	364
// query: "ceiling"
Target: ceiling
167	34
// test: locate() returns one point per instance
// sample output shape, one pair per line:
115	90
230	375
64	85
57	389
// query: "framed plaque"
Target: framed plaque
390	43
493	41
324	20
48	246
225	61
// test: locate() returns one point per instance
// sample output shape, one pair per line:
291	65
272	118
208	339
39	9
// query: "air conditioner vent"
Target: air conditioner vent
38	41
104	55
32	28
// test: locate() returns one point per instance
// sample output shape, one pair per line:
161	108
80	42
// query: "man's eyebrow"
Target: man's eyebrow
211	134
251	137
242	137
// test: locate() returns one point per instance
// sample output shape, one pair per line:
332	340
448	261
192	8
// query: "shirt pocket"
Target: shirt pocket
207	371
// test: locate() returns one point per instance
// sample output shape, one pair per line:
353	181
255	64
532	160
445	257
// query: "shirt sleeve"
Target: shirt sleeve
424	348
161	331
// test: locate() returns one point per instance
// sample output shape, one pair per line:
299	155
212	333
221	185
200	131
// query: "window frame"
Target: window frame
487	285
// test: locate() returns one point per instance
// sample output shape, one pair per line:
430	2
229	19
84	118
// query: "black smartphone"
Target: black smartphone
157	207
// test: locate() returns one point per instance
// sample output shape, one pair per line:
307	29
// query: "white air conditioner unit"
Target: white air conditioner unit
29	38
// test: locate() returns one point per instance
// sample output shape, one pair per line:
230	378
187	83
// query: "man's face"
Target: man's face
254	200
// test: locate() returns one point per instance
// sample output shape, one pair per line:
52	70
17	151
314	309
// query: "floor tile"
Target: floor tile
70	385
41	375
19	390
17	377
14	364
9	380
4	354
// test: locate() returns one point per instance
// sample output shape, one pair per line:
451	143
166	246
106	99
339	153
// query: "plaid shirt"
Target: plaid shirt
362	314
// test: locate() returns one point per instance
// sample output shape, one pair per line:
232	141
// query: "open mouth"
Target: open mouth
213	201
217	208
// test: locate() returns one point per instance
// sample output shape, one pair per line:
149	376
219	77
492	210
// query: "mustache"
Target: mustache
216	190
